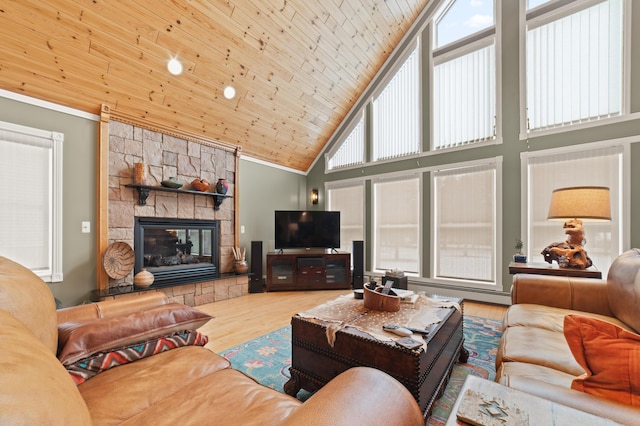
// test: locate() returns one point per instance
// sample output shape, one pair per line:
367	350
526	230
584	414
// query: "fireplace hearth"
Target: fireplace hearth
177	251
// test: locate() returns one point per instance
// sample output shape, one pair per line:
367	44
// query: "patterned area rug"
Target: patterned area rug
267	359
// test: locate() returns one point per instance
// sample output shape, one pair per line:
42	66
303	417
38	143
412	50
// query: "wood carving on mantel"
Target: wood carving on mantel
570	253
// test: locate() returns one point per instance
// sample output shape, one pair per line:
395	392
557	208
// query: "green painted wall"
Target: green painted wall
79	200
263	190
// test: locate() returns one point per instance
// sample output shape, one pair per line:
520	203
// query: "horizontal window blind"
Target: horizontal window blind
465	223
464	100
599	167
574	67
396	113
30	199
396	207
349	201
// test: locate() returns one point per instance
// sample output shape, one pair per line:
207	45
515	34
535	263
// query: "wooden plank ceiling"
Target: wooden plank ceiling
297	65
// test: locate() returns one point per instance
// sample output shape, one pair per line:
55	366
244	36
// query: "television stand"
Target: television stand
308	271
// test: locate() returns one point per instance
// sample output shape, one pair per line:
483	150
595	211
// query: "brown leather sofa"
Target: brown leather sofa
186	385
533	354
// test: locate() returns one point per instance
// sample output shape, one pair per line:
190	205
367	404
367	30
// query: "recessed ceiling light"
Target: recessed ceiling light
174	66
229	92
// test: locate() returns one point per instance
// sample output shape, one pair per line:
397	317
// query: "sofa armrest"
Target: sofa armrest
360	395
109	308
577	293
618	412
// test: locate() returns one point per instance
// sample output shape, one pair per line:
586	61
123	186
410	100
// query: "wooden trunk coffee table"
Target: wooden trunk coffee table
360	341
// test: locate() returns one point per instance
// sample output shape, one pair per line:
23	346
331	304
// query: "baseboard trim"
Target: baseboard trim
499	298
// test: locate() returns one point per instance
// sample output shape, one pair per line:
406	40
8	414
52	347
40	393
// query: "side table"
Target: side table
543	268
517	404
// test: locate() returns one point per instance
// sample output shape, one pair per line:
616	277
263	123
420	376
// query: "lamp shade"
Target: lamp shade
590	203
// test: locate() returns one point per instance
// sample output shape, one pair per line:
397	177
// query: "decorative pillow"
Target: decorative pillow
610	356
86	368
78	340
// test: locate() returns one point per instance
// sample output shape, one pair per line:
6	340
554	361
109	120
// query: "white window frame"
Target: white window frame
375	227
52	272
461	47
348	184
573	6
465	283
624	207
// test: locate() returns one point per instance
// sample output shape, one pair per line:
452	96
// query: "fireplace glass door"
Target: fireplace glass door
177	250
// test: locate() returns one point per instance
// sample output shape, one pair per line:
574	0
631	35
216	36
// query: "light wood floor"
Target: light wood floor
244	318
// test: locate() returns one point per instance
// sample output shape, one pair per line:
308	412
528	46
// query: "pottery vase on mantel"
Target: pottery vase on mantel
143	278
222	186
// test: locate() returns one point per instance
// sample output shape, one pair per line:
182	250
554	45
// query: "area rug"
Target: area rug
267	359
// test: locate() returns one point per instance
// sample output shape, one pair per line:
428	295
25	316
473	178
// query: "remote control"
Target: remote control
400	331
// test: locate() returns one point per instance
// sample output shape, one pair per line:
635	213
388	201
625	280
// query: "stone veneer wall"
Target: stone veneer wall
167	156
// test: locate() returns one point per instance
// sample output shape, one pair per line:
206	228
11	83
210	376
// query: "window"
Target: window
574	68
396	113
349	201
350	151
396	228
465	223
464	74
547	171
31	199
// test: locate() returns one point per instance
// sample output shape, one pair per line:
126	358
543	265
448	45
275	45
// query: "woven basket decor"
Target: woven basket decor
118	260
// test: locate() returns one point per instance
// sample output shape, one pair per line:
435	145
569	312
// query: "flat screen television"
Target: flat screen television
307	229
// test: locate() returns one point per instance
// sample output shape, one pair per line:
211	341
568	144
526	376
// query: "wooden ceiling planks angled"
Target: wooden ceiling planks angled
298	66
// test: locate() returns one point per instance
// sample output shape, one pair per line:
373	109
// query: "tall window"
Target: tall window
349	201
396	227
396	113
574	68
464	73
552	170
31	199
350	151
465	223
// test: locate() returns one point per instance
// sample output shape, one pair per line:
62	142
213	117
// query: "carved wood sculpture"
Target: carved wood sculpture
570	253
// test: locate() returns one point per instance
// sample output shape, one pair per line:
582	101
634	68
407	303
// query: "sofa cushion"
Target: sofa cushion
78	340
124	392
230	398
610	356
37	390
538	346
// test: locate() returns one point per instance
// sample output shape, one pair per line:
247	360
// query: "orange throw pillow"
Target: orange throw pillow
610	356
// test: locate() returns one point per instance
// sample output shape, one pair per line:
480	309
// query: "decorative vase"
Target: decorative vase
240	266
140	174
200	185
143	278
222	186
172	183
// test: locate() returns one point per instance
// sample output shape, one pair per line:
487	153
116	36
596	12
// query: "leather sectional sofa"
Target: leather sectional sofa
574	340
174	382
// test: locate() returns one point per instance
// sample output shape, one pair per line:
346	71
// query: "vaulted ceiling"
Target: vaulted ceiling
298	66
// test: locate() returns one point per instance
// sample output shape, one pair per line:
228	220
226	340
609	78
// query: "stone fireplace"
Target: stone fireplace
207	272
177	251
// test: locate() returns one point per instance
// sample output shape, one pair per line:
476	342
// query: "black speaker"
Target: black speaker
256	282
358	264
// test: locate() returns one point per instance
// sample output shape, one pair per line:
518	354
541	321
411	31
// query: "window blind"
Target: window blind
465	223
574	66
396	113
464	100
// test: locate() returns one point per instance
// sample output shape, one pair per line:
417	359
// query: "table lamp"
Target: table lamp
573	205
